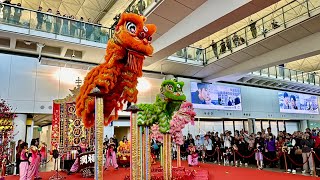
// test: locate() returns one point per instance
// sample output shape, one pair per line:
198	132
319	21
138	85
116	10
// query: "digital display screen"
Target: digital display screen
298	103
211	96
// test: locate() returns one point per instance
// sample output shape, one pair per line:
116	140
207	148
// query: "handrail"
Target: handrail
290	74
246	26
48	14
267	23
263	30
35	21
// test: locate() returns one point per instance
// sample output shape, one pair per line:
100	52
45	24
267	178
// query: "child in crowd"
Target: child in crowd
259	144
193	155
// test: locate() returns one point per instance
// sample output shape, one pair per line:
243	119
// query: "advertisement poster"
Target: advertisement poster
298	103
210	96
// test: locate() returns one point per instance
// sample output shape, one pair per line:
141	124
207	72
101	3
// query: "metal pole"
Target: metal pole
314	165
285	160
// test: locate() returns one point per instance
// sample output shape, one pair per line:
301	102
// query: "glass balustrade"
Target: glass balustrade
191	54
279	72
142	6
58	25
258	29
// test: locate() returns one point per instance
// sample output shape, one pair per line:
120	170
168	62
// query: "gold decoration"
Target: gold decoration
148	154
99	136
178	156
134	148
139	154
165	158
70	98
169	157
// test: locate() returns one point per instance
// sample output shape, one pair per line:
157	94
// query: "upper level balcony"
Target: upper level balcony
278	21
22	30
56	27
278	72
278	77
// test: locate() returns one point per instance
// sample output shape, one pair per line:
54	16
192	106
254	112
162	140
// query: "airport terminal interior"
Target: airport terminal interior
159	89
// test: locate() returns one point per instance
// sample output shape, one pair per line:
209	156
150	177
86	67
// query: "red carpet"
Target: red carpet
216	172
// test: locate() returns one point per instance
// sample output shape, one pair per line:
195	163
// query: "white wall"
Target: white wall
31	87
45	135
256	103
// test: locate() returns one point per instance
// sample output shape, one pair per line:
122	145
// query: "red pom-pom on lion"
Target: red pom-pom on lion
117	77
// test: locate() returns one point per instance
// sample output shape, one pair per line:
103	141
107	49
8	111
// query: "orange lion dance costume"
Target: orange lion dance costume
117	77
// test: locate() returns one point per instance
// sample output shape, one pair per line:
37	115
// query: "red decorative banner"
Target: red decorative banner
55	125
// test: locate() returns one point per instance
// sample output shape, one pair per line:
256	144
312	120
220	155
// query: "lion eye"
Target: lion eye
169	87
131	27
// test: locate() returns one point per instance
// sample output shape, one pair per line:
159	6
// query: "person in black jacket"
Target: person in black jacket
242	149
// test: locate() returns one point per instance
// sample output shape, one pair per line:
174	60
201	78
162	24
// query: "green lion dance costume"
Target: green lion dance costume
161	111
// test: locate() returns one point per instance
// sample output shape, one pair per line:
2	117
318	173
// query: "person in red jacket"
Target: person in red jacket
317	148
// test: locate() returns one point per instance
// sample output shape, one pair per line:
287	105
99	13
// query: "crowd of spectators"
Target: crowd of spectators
289	152
67	25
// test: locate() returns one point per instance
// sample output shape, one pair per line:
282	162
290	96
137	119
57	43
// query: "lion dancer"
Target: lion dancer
193	155
35	160
111	156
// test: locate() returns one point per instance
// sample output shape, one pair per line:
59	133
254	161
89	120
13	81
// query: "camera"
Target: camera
73	55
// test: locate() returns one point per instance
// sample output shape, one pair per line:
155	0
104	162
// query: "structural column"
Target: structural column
20	127
252	125
304	125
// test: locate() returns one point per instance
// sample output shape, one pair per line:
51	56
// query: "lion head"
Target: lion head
133	34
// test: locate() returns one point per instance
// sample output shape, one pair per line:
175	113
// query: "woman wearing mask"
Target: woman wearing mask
307	144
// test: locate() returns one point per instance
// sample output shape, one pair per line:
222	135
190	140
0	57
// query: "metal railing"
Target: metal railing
46	22
280	72
277	20
142	6
139	7
190	54
18	16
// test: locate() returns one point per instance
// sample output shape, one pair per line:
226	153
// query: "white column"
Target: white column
252	126
303	125
29	133
19	129
109	131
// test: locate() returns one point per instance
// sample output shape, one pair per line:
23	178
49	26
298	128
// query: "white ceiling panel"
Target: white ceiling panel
174	11
192	4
